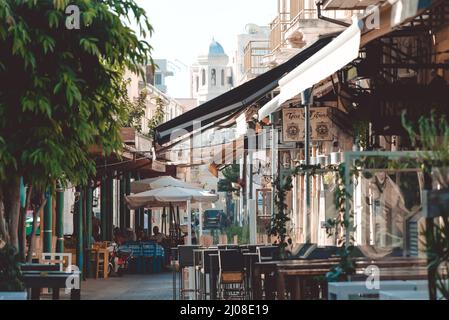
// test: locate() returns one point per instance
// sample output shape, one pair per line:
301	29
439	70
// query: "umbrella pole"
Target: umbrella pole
189	223
200	217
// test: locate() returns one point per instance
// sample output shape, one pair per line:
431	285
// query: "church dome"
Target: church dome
215	49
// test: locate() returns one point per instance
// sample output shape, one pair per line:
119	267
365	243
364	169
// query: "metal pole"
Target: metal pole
122	202
200	217
48	222
80	240
307	101
127	192
89	214
60	220
189	223
103	209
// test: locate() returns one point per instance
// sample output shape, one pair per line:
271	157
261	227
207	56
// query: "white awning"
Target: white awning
337	54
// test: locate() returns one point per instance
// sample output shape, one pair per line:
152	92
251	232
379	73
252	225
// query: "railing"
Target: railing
253	56
278	27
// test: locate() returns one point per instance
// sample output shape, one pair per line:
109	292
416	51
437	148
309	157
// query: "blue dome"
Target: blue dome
215	49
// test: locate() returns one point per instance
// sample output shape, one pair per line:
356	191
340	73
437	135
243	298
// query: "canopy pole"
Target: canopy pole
200	217
189	223
307	102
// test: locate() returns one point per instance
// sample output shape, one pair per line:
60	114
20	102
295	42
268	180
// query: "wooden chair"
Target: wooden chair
101	260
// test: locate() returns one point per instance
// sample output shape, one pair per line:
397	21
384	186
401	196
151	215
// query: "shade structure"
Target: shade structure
334	56
236	99
174	195
159	182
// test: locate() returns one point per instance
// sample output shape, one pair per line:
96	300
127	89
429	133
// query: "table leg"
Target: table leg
75	294
55	293
296	290
280	286
174	281
35	293
257	288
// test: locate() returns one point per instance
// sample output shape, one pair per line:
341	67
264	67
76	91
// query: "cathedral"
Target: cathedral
210	75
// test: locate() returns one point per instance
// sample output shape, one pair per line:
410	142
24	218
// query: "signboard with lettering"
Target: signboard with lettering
157	166
293	124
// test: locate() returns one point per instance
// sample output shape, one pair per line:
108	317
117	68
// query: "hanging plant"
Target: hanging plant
337	227
280	218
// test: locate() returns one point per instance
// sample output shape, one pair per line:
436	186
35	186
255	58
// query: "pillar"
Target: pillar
110	207
122	202
60	220
79	231
48	222
103	209
127	192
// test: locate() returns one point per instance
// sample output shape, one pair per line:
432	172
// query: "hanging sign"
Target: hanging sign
157	166
293	124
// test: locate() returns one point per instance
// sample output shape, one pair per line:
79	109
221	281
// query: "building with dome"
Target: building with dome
211	75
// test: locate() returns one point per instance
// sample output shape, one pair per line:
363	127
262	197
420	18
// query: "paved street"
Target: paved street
129	287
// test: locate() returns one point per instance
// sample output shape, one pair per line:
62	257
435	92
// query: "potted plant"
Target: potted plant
11	286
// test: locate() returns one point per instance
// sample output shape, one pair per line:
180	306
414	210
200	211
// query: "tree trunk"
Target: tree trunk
11	201
3	230
36	211
22	224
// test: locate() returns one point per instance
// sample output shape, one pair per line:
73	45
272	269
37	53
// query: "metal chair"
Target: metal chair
185	254
268	253
231	274
205	273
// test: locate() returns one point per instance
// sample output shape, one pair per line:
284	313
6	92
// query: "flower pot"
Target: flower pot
336	158
13	295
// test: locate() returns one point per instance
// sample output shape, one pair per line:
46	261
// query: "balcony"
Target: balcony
253	58
278	27
349	4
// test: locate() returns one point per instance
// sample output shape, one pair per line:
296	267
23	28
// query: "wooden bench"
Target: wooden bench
36	280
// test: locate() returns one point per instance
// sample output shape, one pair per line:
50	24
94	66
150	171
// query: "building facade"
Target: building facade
211	74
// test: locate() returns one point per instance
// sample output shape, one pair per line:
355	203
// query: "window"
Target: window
158	79
222	77
214	77
203	77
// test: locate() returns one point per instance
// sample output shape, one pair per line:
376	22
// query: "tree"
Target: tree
157	118
135	110
67	91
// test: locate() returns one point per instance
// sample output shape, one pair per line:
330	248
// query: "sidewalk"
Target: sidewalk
129	287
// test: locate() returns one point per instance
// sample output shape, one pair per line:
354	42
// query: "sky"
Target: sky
184	28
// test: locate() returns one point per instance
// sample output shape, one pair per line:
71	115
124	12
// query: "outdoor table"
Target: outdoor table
36	280
302	270
39	267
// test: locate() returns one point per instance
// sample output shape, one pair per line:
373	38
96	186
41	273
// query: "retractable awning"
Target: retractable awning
237	98
328	60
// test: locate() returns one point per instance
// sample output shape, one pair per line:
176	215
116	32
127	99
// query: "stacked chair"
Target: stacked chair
231	274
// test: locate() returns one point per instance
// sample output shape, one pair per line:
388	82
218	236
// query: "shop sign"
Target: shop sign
293	124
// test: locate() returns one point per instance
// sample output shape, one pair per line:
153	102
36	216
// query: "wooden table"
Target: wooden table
36	280
39	267
299	271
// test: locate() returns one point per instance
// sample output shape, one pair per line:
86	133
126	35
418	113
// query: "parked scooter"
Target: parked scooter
118	260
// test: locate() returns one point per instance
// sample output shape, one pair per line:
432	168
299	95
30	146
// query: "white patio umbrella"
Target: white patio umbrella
171	195
158	182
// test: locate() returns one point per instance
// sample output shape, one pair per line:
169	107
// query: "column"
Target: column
122	202
127	192
79	231
48	222
103	209
60	220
